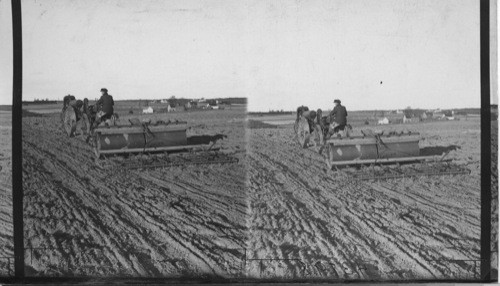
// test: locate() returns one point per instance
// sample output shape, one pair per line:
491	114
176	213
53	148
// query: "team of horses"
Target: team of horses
80	115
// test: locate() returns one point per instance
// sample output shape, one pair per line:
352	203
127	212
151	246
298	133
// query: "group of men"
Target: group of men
102	111
330	124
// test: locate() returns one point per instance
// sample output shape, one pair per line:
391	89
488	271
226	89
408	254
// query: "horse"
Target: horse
72	117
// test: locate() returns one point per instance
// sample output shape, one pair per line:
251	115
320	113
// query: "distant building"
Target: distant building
448	113
414	113
383	121
410	119
147	110
213	102
202	105
438	115
164	101
406	119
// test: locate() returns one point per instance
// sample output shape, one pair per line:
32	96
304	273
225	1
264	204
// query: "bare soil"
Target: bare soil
172	222
307	222
494	198
6	226
278	213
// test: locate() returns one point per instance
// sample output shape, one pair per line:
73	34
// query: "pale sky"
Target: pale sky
371	54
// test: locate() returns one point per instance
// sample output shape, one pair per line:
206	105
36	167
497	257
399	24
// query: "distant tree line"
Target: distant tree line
40	101
272	112
232	100
176	102
465	111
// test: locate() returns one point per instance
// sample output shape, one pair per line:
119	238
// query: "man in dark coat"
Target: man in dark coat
338	116
105	104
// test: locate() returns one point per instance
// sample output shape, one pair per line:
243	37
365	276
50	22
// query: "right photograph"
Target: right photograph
363	130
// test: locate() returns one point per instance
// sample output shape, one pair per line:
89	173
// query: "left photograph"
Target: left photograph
133	140
6	221
6	218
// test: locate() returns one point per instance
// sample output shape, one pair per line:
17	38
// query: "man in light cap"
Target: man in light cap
338	116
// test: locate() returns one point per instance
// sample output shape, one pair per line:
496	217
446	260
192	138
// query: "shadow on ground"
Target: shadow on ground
437	150
204	139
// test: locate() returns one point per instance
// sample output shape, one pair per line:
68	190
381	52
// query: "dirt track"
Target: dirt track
6	230
310	224
494	200
180	221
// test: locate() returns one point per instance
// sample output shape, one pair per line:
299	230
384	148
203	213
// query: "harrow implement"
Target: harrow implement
374	149
423	169
394	154
383	157
168	140
161	137
141	138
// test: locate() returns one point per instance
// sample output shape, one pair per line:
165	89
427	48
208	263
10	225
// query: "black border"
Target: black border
17	189
17	146
485	142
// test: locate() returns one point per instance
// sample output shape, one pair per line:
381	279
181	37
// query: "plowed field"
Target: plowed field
278	213
307	222
173	222
6	239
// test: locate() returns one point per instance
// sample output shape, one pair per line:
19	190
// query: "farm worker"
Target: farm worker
105	104
338	116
